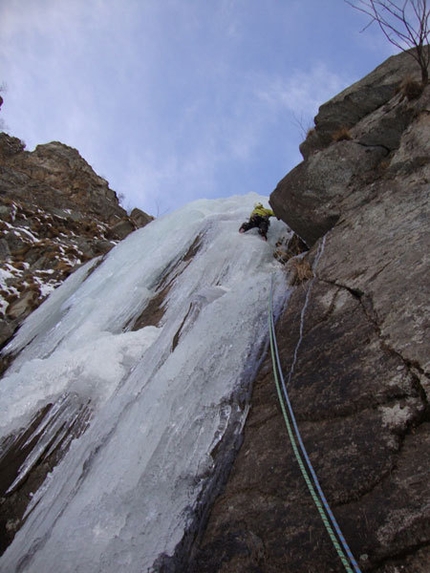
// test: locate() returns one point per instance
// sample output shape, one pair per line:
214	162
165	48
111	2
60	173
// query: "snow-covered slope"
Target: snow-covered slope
161	402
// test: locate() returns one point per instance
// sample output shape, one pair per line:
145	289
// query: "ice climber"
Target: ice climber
259	218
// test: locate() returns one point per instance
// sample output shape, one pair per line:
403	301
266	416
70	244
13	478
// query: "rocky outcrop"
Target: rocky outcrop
355	136
55	214
354	349
398	74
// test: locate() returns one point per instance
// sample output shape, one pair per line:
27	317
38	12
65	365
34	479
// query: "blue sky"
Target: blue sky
176	100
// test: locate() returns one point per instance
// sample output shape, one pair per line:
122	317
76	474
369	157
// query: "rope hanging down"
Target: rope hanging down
302	457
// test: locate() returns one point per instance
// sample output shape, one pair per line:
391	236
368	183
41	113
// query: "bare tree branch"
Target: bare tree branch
405	24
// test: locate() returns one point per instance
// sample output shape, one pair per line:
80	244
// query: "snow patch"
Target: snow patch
395	417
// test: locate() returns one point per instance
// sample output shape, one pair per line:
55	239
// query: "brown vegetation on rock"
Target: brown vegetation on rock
55	214
342	134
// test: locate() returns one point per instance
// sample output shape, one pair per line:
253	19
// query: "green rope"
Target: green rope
299	458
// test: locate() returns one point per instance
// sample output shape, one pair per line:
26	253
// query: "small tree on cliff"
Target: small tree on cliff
405	23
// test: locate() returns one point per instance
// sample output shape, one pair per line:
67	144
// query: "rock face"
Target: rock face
354	347
353	142
55	214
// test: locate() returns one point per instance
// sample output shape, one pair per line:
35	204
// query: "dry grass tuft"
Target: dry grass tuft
342	134
287	248
63	266
410	88
34	287
300	270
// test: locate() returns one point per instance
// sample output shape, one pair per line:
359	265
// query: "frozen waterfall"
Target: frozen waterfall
149	354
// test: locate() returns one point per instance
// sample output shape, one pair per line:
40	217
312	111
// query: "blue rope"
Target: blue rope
324	511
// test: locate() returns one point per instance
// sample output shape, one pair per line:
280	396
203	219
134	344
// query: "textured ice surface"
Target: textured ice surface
162	397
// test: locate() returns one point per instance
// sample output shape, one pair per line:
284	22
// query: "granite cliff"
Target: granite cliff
354	346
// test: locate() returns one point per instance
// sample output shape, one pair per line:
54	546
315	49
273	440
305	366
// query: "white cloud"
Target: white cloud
303	92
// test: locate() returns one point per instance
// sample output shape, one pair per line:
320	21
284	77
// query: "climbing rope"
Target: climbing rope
302	457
